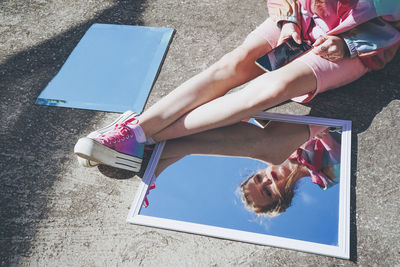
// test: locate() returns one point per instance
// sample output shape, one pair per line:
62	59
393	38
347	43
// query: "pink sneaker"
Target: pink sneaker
117	147
123	117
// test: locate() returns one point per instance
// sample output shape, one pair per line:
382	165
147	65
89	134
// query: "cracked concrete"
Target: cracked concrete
54	213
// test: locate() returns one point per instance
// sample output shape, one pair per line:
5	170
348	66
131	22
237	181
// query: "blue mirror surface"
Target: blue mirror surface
112	68
205	189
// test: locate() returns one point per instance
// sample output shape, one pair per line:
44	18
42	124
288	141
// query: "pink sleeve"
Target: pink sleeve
332	147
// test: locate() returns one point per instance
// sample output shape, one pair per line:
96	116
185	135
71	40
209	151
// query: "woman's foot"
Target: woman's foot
116	146
90	163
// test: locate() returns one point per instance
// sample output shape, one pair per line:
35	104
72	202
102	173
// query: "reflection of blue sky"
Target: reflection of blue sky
201	189
121	59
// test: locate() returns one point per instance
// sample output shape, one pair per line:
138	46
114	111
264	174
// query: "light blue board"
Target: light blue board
113	68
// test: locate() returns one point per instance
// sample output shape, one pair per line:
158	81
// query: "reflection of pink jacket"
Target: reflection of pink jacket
375	41
316	154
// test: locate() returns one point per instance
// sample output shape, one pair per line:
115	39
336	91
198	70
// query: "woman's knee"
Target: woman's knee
231	64
240	62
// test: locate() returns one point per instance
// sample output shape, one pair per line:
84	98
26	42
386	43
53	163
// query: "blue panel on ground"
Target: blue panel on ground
113	68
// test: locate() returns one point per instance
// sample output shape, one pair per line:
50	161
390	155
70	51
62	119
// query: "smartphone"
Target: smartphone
282	55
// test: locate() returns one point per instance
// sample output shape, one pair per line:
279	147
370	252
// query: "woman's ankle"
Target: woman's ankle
139	133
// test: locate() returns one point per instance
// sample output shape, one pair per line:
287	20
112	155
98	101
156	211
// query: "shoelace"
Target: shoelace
120	132
146	200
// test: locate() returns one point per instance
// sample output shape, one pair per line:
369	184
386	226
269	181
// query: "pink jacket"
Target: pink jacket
317	154
359	22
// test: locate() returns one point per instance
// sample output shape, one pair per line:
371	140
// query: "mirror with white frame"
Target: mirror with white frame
275	180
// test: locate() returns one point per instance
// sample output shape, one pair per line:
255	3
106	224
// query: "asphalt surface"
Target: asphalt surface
54	213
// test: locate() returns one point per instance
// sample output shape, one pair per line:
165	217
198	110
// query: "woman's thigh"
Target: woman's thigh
301	80
330	75
272	88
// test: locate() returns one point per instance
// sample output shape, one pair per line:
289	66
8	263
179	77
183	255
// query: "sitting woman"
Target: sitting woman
340	56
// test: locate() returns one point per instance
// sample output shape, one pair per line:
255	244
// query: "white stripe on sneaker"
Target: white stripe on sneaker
91	150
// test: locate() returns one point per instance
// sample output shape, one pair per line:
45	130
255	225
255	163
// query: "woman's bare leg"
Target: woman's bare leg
272	144
267	90
232	70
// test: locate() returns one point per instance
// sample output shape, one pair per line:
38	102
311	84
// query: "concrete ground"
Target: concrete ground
54	213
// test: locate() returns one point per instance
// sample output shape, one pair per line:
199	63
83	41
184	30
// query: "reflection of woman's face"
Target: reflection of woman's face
263	188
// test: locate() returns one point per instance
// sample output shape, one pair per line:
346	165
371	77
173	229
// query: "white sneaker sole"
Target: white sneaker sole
87	163
91	150
90	163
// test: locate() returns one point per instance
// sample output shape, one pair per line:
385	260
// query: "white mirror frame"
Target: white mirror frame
342	250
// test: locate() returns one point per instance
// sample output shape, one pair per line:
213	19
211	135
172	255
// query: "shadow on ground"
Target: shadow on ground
37	141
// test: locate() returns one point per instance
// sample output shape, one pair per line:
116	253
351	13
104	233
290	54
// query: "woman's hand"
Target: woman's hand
332	48
289	30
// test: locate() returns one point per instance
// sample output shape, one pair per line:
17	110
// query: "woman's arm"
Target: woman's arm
367	38
285	14
283	10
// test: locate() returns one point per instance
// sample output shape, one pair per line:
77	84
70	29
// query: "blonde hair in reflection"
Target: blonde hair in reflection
277	207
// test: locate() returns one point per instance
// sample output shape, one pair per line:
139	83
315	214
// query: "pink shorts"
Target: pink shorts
329	74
